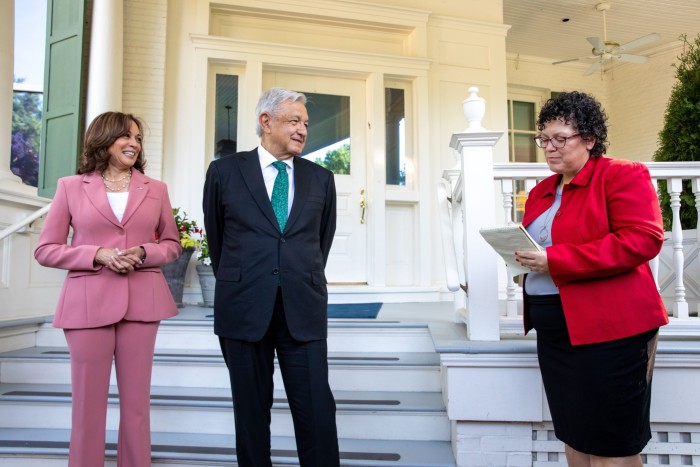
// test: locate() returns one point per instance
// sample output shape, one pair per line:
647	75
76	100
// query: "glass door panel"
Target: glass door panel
337	140
328	141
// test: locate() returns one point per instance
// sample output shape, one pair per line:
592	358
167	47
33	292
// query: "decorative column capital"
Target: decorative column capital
470	139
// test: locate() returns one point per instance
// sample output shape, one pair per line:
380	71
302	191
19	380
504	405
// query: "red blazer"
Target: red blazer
607	229
93	295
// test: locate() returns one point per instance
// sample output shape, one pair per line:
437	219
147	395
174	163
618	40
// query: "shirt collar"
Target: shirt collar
266	158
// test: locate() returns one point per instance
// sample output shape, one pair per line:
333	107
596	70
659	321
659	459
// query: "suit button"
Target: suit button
275	271
282	240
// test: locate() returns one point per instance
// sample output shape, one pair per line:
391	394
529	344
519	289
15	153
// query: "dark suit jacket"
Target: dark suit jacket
251	258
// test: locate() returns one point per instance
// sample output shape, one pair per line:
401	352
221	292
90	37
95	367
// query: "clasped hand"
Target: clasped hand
119	261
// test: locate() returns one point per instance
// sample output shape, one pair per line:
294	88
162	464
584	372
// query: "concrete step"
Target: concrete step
359	415
385	376
49	448
365	371
343	336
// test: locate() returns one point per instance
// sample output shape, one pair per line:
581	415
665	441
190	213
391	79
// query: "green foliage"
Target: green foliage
26	132
337	160
679	140
203	255
190	233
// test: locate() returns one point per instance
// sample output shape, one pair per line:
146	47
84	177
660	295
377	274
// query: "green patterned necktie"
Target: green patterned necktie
280	192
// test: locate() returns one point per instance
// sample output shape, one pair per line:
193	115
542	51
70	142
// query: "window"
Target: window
226	115
522	117
521	130
26	134
395	118
27	99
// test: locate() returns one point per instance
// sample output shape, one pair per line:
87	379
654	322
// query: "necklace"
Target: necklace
543	235
126	175
116	185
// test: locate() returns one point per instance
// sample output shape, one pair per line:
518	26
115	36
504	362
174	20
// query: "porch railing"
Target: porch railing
27	221
513	182
474	183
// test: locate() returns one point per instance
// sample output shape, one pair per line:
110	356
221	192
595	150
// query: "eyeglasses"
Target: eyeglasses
557	141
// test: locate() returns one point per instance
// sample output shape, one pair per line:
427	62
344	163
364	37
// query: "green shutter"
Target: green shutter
62	117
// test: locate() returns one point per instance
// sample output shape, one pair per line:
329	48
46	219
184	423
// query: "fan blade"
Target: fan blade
566	61
592	69
597	43
631	58
639	42
589	57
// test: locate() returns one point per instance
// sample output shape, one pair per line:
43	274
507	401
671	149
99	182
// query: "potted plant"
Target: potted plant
190	239
206	274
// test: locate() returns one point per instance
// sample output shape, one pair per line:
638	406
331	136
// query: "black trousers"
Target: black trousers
304	367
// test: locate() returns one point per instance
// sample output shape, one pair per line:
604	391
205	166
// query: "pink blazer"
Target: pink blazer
607	229
92	295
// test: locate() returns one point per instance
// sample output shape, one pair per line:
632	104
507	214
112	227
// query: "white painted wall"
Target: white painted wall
144	74
638	98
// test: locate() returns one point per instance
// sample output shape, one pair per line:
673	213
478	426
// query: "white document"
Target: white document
506	240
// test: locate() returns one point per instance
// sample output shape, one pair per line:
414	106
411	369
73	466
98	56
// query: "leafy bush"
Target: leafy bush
679	140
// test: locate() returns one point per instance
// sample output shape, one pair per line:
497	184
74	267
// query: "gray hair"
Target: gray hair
270	101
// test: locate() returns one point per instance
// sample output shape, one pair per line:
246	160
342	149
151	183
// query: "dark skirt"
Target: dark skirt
599	395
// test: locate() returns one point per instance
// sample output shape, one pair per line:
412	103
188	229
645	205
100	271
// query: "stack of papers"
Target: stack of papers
506	240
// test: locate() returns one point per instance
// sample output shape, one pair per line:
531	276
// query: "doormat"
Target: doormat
354	310
349	310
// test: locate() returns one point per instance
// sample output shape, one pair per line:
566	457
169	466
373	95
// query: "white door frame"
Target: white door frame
255	58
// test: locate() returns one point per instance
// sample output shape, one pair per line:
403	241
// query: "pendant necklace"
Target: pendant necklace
543	235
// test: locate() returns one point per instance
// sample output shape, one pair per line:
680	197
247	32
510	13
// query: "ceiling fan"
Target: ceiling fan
607	51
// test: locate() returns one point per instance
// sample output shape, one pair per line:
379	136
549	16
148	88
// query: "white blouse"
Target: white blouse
118	203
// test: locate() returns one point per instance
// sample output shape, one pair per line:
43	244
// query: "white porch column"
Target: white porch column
105	73
475	147
7	54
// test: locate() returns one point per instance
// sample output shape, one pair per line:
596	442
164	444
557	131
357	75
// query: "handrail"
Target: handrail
451	269
24	222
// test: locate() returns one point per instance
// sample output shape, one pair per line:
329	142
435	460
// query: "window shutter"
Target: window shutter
62	116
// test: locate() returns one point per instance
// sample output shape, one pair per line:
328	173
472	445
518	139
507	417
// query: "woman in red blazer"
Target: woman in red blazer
114	294
590	294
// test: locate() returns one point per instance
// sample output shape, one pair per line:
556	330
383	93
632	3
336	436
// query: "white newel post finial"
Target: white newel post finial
474	108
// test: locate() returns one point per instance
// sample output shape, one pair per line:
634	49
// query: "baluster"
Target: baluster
511	288
654	262
530	184
680	306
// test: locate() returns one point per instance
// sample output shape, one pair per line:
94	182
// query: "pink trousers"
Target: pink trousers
131	345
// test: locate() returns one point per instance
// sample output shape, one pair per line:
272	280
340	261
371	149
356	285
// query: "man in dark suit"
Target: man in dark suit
271	291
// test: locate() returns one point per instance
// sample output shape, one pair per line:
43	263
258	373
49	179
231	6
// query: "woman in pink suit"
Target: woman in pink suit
114	294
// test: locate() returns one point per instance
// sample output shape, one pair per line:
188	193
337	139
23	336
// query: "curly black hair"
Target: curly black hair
583	112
